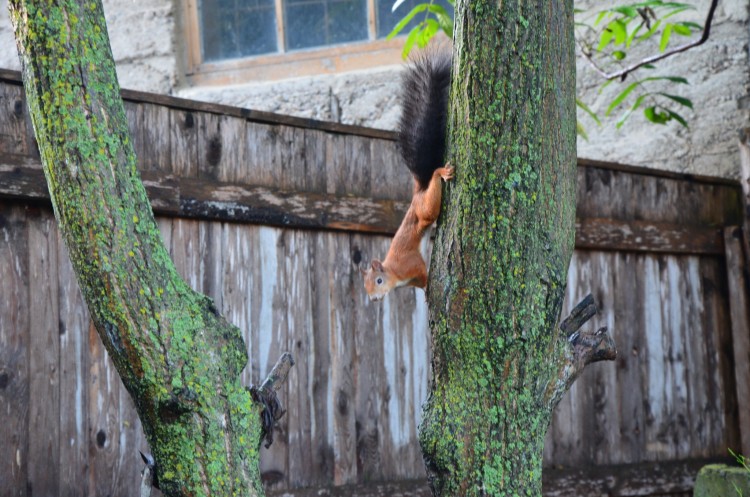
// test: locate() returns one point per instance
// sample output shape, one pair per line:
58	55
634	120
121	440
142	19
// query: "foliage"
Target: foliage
742	461
606	39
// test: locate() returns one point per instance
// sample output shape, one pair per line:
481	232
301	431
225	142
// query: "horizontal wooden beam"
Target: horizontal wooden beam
21	178
644	236
651	478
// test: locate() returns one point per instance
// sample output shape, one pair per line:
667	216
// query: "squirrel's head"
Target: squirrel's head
377	280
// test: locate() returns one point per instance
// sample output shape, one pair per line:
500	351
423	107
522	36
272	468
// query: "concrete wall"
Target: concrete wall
147	44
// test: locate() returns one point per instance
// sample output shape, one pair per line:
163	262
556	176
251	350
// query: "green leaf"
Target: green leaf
673	79
686	102
444	19
581	131
605	38
600	17
665	35
407	18
622	96
651	31
681	29
632	35
582	105
655	116
677	117
618	54
431	27
624	117
410	40
626	10
620	30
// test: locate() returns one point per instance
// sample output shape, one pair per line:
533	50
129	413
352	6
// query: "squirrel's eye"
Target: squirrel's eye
379	281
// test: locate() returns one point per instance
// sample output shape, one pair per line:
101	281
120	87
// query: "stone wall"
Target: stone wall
147	41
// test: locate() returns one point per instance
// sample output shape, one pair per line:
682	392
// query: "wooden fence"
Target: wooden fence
270	216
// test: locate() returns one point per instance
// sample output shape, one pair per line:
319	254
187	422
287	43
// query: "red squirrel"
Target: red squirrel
421	139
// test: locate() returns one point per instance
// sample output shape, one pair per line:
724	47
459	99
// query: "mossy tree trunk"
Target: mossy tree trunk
502	251
203	427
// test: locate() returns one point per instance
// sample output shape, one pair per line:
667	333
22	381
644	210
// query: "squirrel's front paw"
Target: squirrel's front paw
446	172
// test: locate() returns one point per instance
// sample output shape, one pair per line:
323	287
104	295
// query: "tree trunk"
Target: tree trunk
502	251
203	427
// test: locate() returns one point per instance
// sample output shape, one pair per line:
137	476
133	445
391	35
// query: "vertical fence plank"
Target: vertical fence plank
183	130
155	148
74	421
272	338
739	305
340	395
13	131
628	328
372	438
14	351
300	418
44	358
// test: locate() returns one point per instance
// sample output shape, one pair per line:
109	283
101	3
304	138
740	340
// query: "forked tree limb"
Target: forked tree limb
623	73
266	395
583	348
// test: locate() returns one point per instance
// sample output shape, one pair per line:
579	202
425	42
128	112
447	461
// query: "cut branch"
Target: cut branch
623	73
266	395
581	313
581	348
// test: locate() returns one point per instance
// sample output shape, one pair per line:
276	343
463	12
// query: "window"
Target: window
241	40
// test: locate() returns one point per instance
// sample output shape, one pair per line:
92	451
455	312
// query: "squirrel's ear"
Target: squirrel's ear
377	265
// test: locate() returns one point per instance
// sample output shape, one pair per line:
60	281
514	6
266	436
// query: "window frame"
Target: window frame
331	59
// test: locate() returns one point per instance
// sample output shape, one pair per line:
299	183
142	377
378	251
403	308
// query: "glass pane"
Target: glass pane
237	28
387	19
315	23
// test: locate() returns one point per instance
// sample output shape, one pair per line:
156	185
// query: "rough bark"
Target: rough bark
502	251
203	427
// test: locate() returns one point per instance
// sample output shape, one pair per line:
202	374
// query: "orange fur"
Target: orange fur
403	265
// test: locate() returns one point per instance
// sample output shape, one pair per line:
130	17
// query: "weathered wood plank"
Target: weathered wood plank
272	305
183	139
15	338
44	356
321	369
739	305
154	152
372	393
341	394
301	421
646	236
74	393
213	200
639	194
13	112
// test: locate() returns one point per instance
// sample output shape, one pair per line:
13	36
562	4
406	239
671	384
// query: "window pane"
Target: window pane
315	23
237	28
387	19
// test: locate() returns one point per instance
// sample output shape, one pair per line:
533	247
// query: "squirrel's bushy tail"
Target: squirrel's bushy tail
424	101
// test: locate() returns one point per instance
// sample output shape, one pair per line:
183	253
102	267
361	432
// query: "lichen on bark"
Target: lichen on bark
502	249
201	423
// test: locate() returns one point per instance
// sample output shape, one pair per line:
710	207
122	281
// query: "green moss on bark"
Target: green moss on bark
202	425
503	247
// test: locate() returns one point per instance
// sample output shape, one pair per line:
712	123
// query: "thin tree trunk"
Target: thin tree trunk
502	251
202	425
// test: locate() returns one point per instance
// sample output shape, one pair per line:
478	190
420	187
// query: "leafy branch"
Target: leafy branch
605	40
645	12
